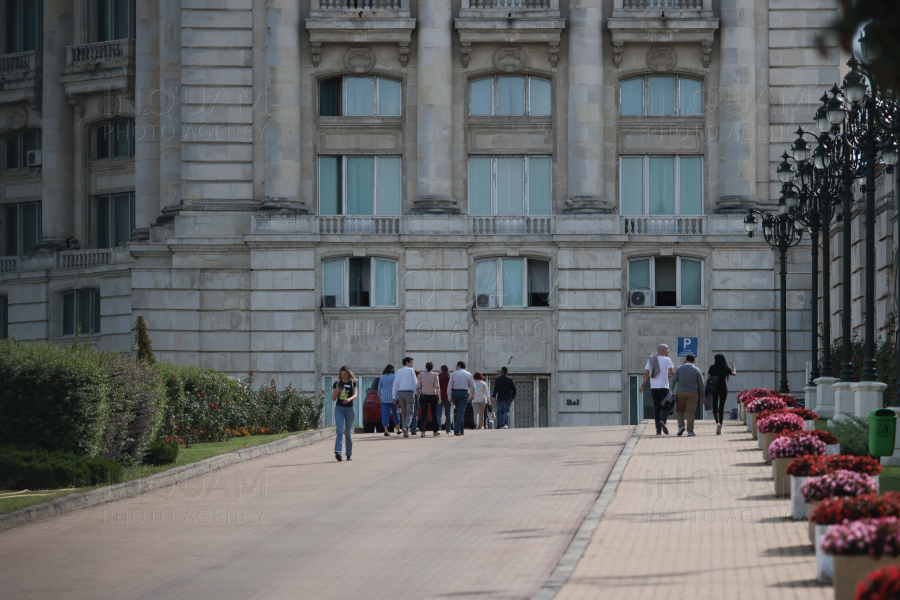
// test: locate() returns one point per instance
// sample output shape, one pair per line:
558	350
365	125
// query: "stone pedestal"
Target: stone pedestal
844	400
824	397
867	397
809	392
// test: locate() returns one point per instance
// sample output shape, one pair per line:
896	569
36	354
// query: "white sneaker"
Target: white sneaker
406	433
506	427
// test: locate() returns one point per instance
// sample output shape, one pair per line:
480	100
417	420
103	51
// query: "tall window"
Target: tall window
115	20
358	282
22	227
360	97
115	139
512	283
24	27
510	185
80	311
115	219
665	281
510	96
360	185
661	185
657	95
4	317
18	145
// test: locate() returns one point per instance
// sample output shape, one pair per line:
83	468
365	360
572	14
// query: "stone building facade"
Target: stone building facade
292	186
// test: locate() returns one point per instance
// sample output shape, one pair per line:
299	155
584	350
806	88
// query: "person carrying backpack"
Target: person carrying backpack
717	388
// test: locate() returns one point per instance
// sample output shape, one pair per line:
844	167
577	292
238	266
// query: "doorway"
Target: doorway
531	408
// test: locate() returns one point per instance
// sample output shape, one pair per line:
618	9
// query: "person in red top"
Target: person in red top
444	406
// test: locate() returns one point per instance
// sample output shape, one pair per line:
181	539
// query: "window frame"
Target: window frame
678	290
495	95
526	200
526	294
20	148
645	180
645	95
343	100
345	277
20	227
111	140
110	199
17	46
94	315
4	317
112	12
375	202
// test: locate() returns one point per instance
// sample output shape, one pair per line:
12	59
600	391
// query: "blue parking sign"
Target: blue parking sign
687	346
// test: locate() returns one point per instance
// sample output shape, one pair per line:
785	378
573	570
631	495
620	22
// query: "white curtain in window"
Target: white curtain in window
511	91
385	282
539	185
632	97
539	97
662	185
691	282
632	185
329	185
512	282
389	102
486	277
510	186
639	274
360	184
359	97
691	99
333	275
662	95
479	185
389	185
691	173
481	98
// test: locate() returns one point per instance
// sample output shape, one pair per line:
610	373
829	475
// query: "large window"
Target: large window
656	95
358	282
22	227
360	97
665	281
510	96
115	139
79	312
17	147
115	219
115	20
512	283
24	29
510	185
4	317
661	185
360	185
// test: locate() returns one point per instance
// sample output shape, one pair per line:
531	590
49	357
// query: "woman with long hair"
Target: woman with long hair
388	403
717	387
429	389
482	397
343	393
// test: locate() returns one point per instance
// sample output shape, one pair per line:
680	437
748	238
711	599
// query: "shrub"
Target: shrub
868	506
853	433
883	584
143	347
39	469
198	403
160	452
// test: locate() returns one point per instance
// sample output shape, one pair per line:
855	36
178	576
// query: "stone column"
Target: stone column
58	124
169	106
585	114
146	119
844	400
282	118
736	104
825	397
434	78
867	396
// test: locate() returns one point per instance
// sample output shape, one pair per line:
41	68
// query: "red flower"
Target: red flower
832	511
860	464
808	466
883	584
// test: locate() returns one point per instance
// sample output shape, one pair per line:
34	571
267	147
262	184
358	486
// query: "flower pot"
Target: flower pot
850	569
765	440
824	562
877	479
832	449
812	526
781	478
810	425
799	508
753	432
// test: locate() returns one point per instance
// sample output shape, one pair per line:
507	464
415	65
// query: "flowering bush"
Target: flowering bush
883	584
804	413
837	483
808	466
767	403
796	445
780	422
752	394
868	506
873	537
858	464
825	436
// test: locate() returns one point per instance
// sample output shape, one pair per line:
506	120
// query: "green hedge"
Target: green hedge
161	453
40	469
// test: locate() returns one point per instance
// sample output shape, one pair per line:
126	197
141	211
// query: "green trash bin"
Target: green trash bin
882	432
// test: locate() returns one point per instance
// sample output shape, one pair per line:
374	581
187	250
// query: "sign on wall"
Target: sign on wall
687	345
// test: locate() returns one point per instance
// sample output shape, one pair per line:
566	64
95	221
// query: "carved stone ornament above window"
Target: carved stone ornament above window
509	59
17	118
110	105
359	60
662	58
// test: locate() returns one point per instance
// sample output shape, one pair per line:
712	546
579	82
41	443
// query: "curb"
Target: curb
173	476
569	560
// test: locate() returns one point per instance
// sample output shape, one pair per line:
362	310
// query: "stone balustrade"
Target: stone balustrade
357	5
99	55
360	225
21	65
72	259
662	5
499	225
542	5
694	225
9	264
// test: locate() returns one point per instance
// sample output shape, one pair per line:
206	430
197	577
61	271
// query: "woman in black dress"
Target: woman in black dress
717	388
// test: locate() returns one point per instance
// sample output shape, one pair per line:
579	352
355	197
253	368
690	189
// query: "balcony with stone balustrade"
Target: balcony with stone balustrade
21	78
357	22
99	67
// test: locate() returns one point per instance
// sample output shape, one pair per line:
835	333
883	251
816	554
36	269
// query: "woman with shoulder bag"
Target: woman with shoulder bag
717	388
344	392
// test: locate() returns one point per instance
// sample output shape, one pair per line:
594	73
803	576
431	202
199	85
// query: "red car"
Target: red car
371	416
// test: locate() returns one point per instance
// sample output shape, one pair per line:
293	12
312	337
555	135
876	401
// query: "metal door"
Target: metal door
523	411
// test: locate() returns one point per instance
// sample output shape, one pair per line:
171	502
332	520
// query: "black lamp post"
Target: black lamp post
779	232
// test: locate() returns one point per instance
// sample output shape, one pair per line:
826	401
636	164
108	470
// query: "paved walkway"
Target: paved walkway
487	515
697	518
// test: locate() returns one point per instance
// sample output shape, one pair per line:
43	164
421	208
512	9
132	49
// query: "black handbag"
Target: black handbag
712	385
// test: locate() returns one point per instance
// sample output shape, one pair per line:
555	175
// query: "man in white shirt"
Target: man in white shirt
658	370
462	388
405	392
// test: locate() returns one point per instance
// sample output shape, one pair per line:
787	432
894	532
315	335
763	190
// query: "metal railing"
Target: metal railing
511	225
71	259
360	225
664	225
9	264
93	55
21	65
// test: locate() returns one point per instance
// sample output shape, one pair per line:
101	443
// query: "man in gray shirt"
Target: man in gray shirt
462	388
688	385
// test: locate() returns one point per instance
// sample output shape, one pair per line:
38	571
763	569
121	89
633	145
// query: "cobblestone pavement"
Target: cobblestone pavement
697	518
487	515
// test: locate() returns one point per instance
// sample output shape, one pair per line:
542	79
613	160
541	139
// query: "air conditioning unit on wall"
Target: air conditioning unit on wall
329	301
640	299
485	301
33	158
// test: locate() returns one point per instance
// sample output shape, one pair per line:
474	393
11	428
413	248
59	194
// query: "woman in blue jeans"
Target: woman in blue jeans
343	394
388	406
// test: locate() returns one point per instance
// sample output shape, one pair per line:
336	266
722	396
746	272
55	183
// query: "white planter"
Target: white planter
810	425
824	562
799	507
877	479
832	449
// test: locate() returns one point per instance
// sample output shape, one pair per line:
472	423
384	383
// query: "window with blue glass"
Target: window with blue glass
661	185
510	96
512	283
353	96
665	281
79	312
661	95
356	282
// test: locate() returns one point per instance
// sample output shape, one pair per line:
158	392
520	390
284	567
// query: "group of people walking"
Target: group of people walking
688	387
405	391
